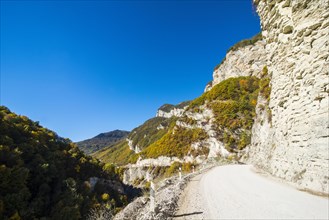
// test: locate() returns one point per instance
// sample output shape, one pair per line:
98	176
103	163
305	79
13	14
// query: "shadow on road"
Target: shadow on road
187	214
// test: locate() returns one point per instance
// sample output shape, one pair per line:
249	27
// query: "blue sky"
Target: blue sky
86	67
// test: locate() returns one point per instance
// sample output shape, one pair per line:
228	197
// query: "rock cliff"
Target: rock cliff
287	67
296	144
291	139
245	61
168	110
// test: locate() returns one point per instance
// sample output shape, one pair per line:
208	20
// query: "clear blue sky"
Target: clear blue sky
86	67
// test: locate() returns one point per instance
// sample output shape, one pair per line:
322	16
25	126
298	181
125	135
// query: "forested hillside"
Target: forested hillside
102	140
45	176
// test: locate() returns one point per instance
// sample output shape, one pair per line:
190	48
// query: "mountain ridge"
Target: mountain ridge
102	140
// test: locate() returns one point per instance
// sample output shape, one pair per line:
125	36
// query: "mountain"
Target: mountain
267	105
126	151
44	176
217	123
102	140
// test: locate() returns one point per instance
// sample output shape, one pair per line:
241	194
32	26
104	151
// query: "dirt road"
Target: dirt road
237	192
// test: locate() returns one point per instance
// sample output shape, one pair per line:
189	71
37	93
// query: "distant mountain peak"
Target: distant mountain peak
102	140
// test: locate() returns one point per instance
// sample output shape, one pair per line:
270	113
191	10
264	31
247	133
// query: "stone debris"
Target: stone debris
167	194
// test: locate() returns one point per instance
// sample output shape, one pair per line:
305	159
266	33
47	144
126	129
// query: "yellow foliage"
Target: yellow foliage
105	197
177	142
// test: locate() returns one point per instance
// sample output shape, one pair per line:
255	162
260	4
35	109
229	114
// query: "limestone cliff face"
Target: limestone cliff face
245	61
291	140
175	112
294	145
168	110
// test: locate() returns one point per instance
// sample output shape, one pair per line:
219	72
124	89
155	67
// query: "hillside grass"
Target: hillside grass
169	107
142	136
176	143
233	103
147	133
118	154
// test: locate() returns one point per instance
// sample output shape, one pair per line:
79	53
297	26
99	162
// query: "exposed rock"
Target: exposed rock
246	61
160	161
168	111
166	198
167	194
141	169
291	139
294	145
173	112
136	149
205	120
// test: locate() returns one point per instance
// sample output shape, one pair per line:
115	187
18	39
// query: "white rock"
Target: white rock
295	144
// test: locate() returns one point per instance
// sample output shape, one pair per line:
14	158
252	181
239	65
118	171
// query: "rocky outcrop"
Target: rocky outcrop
204	119
132	147
173	112
167	193
290	134
291	139
166	198
141	169
296	144
168	110
245	61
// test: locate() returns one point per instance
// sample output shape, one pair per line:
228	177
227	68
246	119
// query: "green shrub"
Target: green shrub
241	44
231	89
169	107
188	167
148	133
218	65
173	169
200	151
264	84
244	140
158	171
265	91
176	143
138	181
147	186
233	103
188	120
119	154
246	42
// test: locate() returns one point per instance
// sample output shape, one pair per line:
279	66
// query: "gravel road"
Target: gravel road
238	192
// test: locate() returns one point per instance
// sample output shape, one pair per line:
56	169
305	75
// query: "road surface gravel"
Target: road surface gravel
238	192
